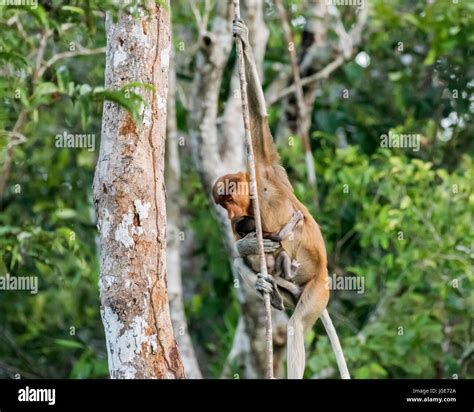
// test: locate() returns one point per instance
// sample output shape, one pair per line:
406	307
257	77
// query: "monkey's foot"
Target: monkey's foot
295	265
264	284
267	285
297	216
239	29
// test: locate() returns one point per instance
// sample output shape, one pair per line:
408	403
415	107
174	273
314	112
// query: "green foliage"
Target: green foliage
410	245
47	225
417	79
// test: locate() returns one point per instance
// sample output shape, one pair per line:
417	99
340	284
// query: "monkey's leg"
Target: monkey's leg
289	227
295	265
246	273
313	301
290	287
284	262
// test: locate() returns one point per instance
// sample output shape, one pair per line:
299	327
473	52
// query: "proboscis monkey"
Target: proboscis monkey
232	193
280	267
277	205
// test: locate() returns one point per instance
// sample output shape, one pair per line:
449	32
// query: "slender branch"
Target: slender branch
38	72
320	75
254	193
40	55
202	20
356	31
17	138
7	165
22	117
303	112
354	37
69	54
16	21
13	370
345	40
205	16
182	97
197	15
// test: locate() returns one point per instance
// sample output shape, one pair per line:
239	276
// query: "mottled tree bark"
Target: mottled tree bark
129	198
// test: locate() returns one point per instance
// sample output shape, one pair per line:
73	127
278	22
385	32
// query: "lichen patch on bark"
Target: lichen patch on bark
122	233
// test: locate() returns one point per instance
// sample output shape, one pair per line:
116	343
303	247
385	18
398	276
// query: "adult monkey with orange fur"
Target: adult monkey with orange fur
277	205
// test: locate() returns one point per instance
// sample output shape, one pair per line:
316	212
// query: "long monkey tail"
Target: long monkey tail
336	345
311	305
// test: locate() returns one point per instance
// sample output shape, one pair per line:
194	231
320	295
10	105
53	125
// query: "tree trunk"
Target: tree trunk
315	53
130	202
173	256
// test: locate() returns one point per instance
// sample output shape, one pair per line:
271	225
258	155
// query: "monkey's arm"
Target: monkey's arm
264	149
246	273
254	86
256	282
248	245
288	228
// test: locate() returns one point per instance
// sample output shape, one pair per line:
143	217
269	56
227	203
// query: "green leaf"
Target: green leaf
371	371
40	15
395	76
45	89
139	85
84	89
405	203
430	57
66	343
85	105
65	213
128	100
62	76
14	58
413	20
73	9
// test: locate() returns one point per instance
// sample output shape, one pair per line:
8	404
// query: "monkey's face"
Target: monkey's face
232	193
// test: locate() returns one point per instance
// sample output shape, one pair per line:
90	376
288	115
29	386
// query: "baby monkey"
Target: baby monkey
279	265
